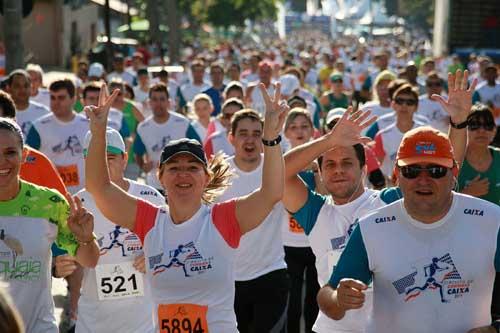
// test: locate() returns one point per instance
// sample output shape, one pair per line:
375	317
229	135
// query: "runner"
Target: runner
158	130
299	257
218	141
201	116
116	288
414	290
60	135
216	91
19	88
203	238
38	93
188	90
253	96
33	218
335	98
432	110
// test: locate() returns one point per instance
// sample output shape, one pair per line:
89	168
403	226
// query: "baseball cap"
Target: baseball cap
333	114
425	144
188	146
336	76
114	142
96	69
289	83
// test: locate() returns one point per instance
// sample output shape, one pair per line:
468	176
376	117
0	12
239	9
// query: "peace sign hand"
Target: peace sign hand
347	131
459	102
80	221
98	115
276	112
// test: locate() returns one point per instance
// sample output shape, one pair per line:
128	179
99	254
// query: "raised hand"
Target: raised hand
80	221
347	131
459	102
98	115
276	112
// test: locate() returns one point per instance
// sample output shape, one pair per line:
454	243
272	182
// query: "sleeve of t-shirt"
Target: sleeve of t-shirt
33	139
144	218
391	194
372	130
308	214
378	147
476	97
371	160
497	253
208	147
224	219
124	130
182	100
191	133
65	239
139	148
367	84
353	262
308	178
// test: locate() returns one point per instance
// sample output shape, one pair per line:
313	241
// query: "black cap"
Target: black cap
189	146
296	99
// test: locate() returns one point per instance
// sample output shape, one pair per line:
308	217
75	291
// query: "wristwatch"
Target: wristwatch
459	125
271	143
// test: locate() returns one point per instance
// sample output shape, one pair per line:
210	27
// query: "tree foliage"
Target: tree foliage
419	13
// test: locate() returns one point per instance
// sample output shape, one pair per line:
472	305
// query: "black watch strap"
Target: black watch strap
271	143
496	325
460	125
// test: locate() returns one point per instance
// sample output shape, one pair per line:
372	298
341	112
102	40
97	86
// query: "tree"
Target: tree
419	13
226	13
12	27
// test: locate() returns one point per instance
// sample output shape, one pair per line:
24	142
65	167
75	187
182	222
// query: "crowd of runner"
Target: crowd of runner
319	188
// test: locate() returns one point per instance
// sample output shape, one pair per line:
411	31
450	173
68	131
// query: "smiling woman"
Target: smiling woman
191	245
31	219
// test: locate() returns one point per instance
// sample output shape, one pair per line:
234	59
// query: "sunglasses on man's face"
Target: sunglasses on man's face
413	171
475	125
409	102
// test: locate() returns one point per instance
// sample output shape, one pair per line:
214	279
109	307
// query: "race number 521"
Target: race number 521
117	281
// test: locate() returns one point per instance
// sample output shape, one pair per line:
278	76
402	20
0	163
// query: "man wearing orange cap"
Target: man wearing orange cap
432	256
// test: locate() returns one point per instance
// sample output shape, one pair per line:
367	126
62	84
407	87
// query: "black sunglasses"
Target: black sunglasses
413	171
433	84
474	126
409	102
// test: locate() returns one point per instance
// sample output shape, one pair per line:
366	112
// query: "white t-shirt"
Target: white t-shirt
117	246
261	250
387	144
427	277
200	129
140	95
191	266
152	137
218	143
43	97
434	112
189	90
25	118
257	100
62	142
125	76
489	95
328	227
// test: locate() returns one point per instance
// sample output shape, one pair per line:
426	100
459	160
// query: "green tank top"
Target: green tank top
342	102
467	173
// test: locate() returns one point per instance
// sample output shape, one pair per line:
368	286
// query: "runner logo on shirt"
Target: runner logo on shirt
339	243
12	264
185	256
119	238
159	145
439	275
71	144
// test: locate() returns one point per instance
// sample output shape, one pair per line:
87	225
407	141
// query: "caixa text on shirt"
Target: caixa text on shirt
477	212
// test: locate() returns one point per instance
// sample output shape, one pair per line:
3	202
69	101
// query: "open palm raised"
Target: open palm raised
347	131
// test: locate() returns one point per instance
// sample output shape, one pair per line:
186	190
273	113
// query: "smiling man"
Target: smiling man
426	277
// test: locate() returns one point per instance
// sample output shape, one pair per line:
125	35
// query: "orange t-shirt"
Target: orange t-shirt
39	170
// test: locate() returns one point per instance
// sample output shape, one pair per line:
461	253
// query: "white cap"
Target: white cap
114	142
289	83
333	114
96	69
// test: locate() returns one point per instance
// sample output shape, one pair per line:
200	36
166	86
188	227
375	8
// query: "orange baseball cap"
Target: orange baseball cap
425	145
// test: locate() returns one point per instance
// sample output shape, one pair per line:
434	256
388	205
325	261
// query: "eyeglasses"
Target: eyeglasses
413	171
474	126
409	102
433	84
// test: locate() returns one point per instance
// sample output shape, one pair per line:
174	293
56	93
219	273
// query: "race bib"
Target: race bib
69	174
182	318
117	281
294	226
